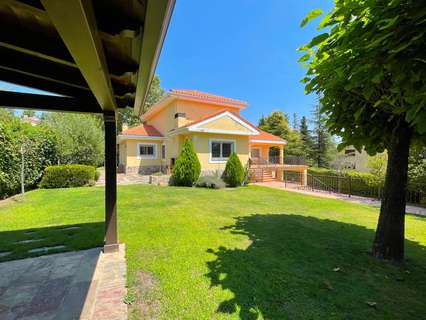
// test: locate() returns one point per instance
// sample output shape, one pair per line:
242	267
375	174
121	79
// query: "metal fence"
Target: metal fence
416	194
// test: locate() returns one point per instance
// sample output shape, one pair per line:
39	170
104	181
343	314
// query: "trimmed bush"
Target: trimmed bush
211	182
67	176
187	168
234	171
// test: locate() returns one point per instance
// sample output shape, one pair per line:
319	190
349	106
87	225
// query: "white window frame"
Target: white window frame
220	160
163	156
144	157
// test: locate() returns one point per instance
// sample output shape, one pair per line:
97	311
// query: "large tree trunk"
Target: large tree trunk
389	240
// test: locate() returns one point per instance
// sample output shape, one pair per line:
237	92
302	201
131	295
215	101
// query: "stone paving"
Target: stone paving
333	195
83	285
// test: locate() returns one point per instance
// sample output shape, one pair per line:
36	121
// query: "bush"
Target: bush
211	182
97	175
187	168
40	150
234	171
67	176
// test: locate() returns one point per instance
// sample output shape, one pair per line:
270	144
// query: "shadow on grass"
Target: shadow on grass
19	244
297	267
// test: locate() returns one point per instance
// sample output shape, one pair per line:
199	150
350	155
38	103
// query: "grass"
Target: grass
246	253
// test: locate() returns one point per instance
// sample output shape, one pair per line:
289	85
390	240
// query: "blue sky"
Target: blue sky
244	49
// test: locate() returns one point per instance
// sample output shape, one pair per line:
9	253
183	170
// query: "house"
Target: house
351	159
216	128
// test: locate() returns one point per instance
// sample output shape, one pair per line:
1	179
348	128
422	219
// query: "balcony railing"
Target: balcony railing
294	160
277	160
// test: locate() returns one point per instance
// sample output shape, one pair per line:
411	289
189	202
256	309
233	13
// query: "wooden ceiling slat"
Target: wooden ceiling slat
75	22
45	102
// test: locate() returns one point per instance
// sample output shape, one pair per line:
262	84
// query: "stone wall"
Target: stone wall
146	170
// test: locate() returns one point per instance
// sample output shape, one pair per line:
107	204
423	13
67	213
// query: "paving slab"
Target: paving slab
65	286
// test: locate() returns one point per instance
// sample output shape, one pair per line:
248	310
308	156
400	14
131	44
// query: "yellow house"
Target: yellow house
216	128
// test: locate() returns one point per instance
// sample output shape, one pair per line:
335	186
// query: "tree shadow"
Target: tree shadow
25	243
297	267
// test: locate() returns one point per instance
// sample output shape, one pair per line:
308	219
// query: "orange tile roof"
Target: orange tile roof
143	130
266	136
206	97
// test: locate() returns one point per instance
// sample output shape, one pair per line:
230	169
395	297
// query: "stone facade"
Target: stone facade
146	170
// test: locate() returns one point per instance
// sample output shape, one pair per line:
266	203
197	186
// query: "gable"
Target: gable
225	122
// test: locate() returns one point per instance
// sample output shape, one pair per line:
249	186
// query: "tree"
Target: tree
126	115
277	124
307	140
323	147
80	136
40	150
187	168
234	171
369	67
295	122
28	113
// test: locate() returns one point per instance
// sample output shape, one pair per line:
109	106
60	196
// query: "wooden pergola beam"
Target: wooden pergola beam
75	21
157	18
46	102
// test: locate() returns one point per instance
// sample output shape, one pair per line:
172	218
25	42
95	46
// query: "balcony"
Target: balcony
277	161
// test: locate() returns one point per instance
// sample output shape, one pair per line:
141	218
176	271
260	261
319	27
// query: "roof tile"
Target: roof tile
207	97
143	130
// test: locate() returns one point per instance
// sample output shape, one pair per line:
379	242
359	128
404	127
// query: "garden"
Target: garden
236	253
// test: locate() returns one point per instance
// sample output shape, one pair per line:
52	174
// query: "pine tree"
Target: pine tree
307	140
187	168
295	122
323	147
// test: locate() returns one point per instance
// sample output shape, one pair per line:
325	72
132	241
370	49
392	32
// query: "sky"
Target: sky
242	49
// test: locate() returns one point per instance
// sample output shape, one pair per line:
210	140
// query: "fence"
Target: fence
416	194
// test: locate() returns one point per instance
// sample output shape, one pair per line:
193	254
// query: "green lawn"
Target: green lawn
247	253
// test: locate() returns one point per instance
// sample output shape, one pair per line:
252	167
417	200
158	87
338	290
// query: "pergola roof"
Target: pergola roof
96	55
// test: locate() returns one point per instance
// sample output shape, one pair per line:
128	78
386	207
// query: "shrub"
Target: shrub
234	171
40	150
67	176
211	182
187	168
97	175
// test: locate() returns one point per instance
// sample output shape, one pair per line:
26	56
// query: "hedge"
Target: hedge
67	176
353	182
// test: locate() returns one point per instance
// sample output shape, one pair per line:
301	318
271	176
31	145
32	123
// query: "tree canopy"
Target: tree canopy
370	69
126	115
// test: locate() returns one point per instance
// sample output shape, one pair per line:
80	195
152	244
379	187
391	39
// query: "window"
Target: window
163	152
350	152
220	150
255	153
147	151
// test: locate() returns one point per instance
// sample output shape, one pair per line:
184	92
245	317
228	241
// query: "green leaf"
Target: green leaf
311	15
324	21
304	58
317	40
388	23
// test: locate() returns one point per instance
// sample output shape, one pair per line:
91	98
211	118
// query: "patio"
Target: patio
83	284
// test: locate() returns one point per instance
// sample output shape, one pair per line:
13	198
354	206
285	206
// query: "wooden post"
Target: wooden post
111	235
